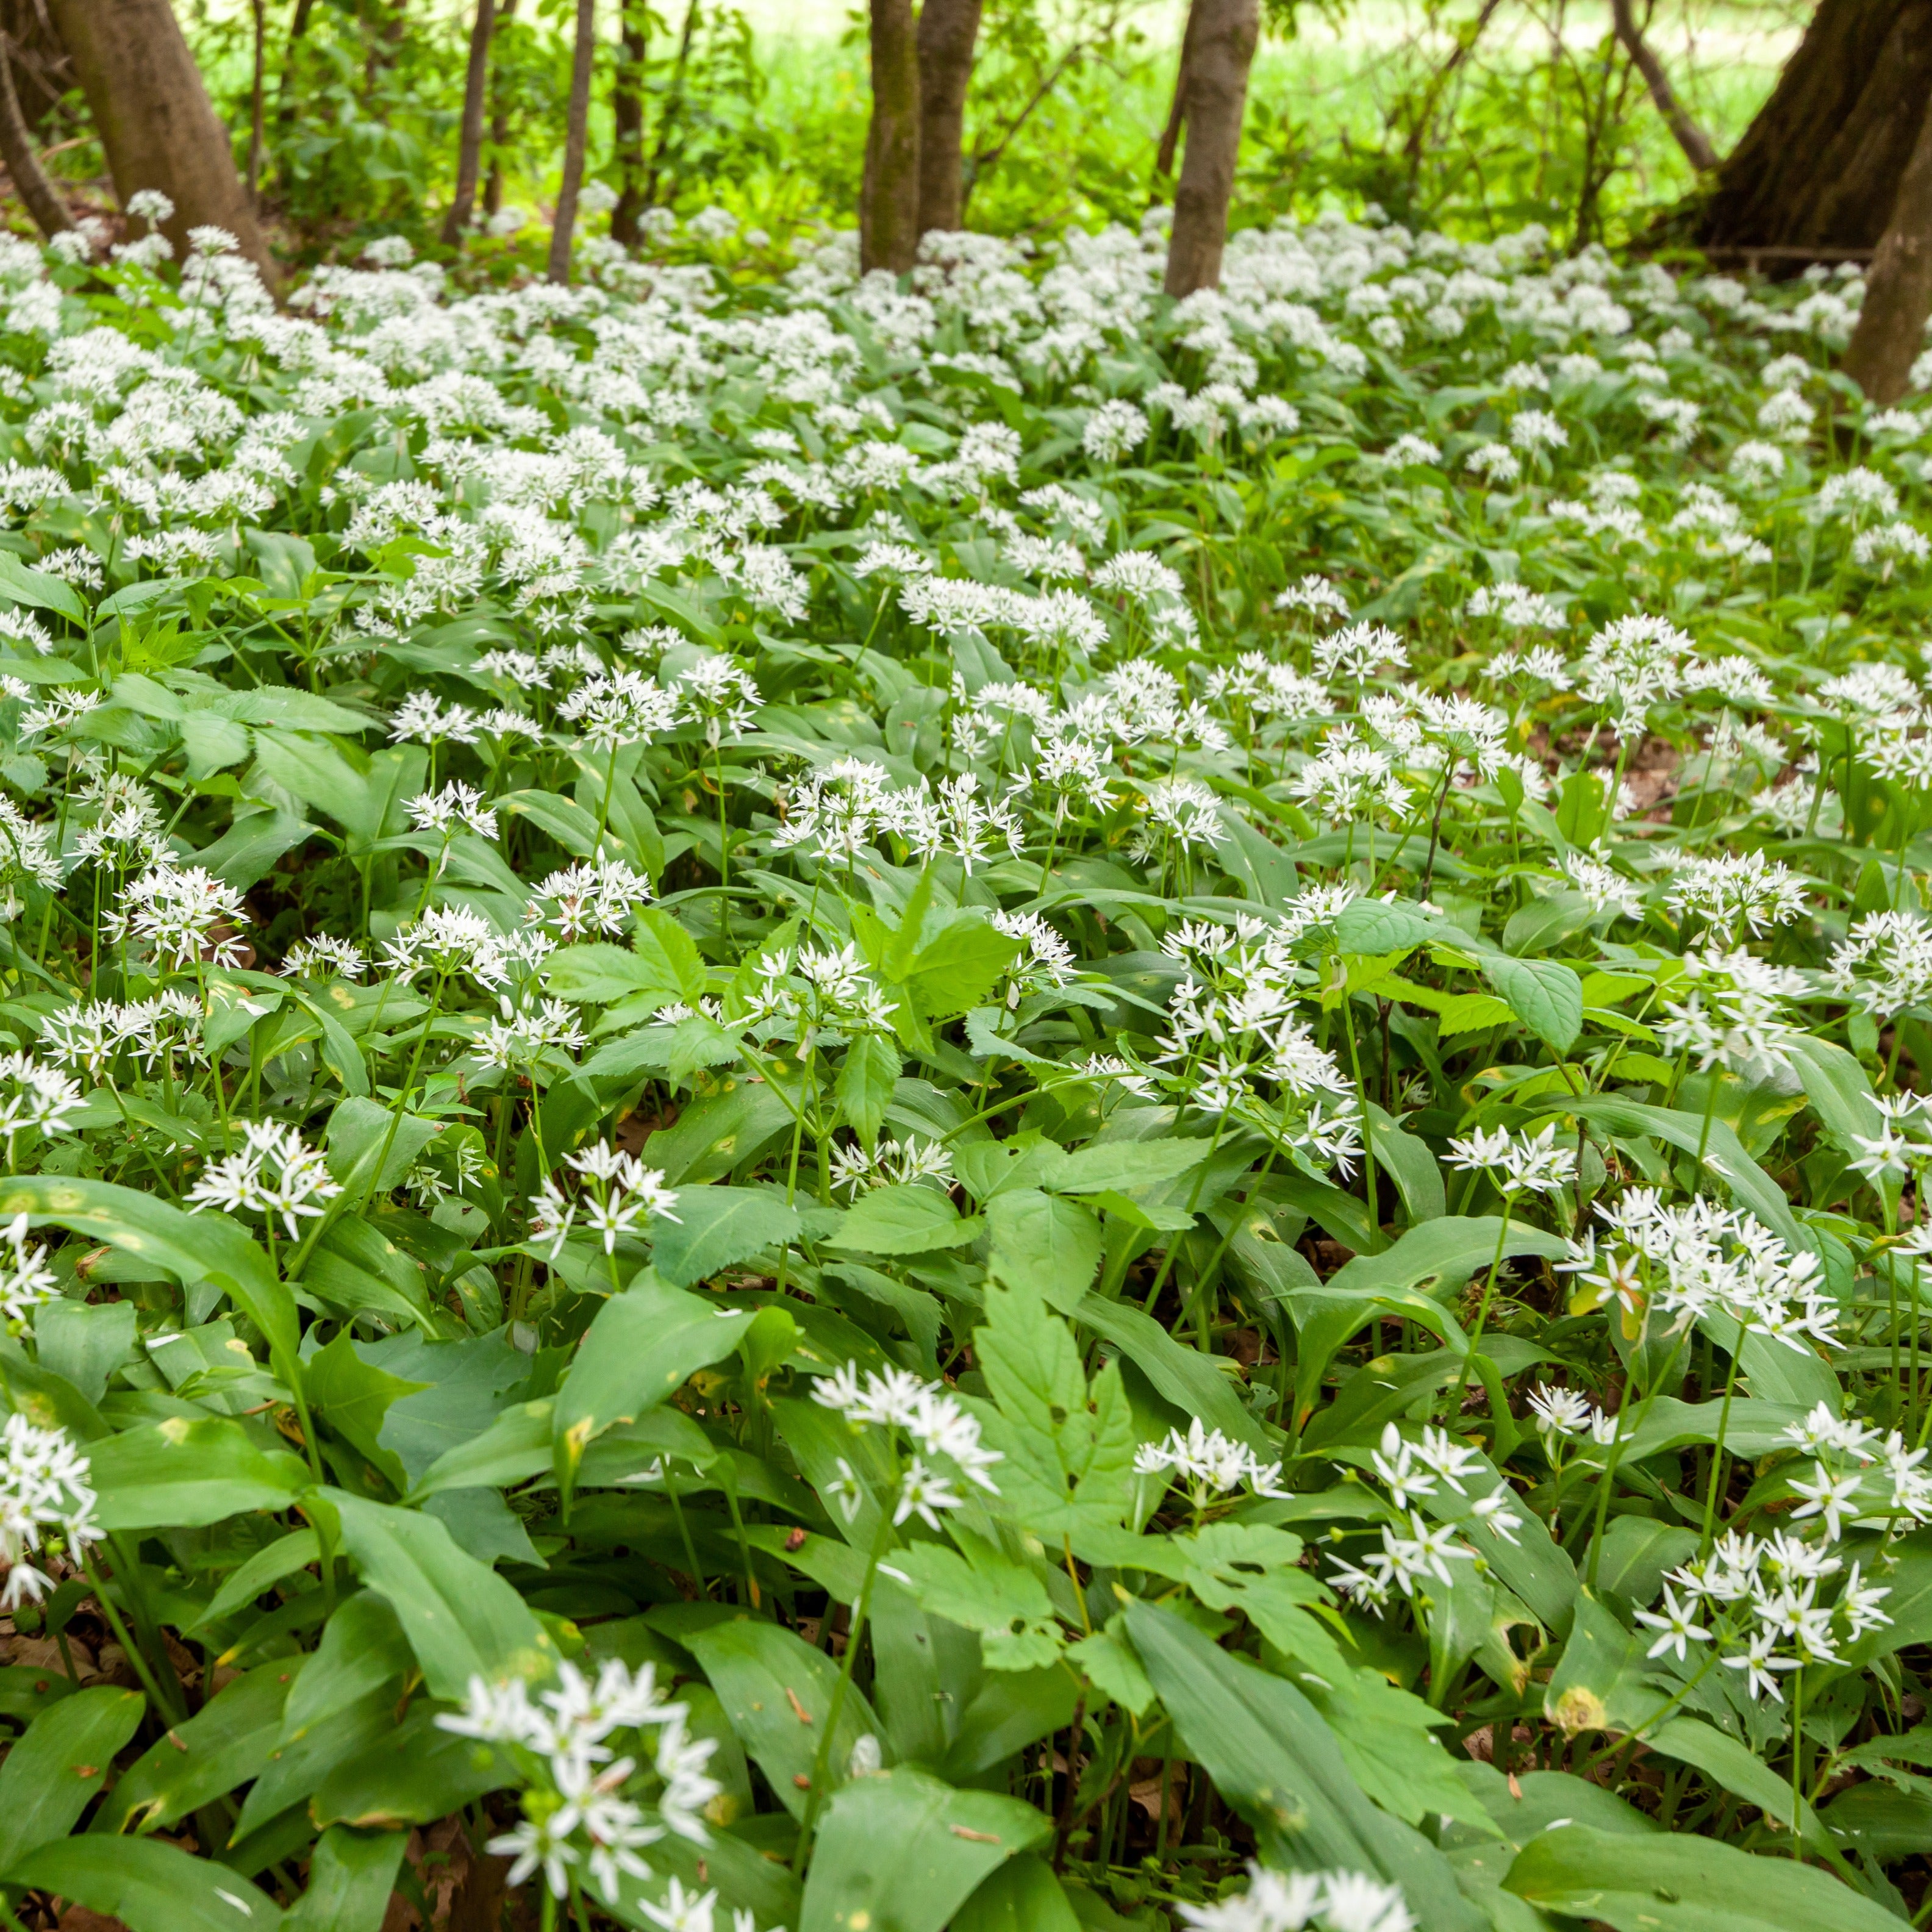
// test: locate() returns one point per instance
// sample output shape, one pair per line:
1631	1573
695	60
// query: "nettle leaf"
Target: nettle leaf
717	1227
1007	1604
1069	1448
1547	998
865	1084
905	1218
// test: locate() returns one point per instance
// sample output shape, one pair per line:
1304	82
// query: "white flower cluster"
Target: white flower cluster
1330	1901
273	1172
930	1417
621	1193
43	1487
576	1809
1209	1465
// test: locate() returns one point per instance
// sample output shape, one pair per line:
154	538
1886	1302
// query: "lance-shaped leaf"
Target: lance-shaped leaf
149	1885
52	1773
182	1473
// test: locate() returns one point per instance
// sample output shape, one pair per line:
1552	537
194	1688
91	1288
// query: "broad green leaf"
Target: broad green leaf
1049	1246
717	1227
517	1444
644	1346
361	1134
865	1083
149	1885
958	967
598	974
20	584
1738	1769
223	1744
906	1219
414	1775
1068	1450
1681	1883
1377	927
1022	1895
183	1474
1007	1604
1188	1378
1272	1757
52	1773
1121	1166
350	1880
901	1851
267	1567
776	1690
1547	998
84	1344
353	1396
463	1621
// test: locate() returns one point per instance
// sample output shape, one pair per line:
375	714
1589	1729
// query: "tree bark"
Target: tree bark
627	122
1890	332
499	124
576	138
1820	165
1177	108
470	142
152	113
1679	119
947	30
1225	32
889	193
31	183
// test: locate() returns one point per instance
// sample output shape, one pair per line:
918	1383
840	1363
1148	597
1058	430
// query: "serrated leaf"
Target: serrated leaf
1007	1604
1548	998
1049	1246
903	1219
717	1227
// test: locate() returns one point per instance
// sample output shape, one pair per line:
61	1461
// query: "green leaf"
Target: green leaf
37	589
82	1343
717	1227
644	1346
149	1886
283	1557
1377	927
353	1396
191	1248
776	1690
865	1083
52	1773
903	1218
462	1619
1047	1246
1068	1450
1683	1883
1547	998
1187	1378
413	1775
223	1744
601	975
517	1444
1022	1895
361	1133
1739	1770
959	967
180	1473
1007	1604
1272	1759
901	1851
1121	1166
350	1877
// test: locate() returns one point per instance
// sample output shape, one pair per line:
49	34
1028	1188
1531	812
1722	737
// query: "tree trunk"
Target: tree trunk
500	125
888	196
470	142
256	133
1820	165
152	113
1679	119
1890	332
44	201
947	30
575	138
1217	62
1177	108
42	71
627	122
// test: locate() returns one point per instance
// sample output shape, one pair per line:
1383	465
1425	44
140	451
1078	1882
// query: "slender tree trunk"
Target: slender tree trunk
888	196
1217	64
256	133
154	117
673	105
576	137
44	201
1177	108
947	30
1820	165
1891	333
500	124
470	142
627	120
1679	119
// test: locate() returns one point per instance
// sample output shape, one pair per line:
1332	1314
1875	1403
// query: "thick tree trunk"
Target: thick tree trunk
499	126
627	123
1679	119
1891	333
947	30
152	113
1223	34
888	196
576	137
44	201
470	141
1820	165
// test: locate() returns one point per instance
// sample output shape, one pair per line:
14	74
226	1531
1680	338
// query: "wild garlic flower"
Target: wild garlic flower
524	1032
1209	1465
584	1804
181	916
447	941
594	899
35	1100
714	693
1329	1901
1316	597
1517	1163
1730	890
818	990
891	1164
1732	1014
1357	651
1884	967
1562	1412
1407	1565
1632	665
275	1173
323	957
44	1489
929	1416
456	808
156	1032
621	1194
25	1280
623	707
